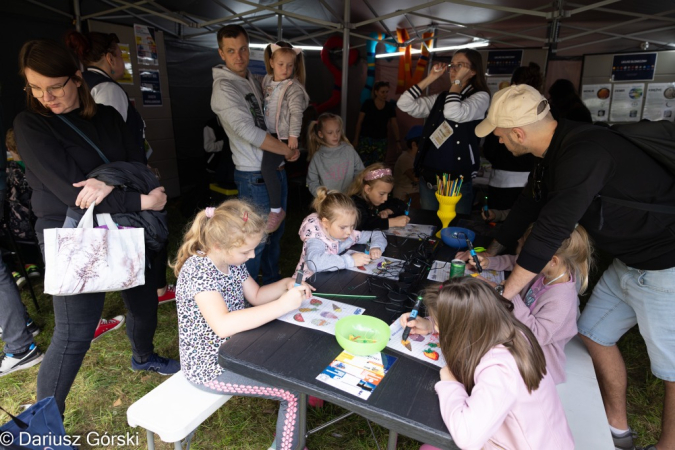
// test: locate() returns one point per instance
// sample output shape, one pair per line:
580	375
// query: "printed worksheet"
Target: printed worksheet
320	314
382	267
357	375
412	230
421	347
440	271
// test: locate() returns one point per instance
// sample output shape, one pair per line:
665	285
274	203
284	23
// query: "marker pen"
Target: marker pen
413	316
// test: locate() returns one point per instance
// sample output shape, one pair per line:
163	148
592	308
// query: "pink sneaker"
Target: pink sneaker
315	402
169	295
106	326
274	220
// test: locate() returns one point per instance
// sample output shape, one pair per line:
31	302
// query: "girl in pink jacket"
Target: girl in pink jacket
494	392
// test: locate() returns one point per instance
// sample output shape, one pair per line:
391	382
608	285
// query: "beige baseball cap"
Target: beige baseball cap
515	106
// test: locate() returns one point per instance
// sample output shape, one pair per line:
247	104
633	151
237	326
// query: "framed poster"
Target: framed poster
597	97
150	87
660	102
635	67
627	101
503	62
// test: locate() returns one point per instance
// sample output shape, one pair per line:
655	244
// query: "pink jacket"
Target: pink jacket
500	413
552	317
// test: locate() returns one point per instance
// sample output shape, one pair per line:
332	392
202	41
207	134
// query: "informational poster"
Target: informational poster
503	62
660	102
150	87
146	48
496	84
128	77
357	375
627	101
597	97
635	67
256	62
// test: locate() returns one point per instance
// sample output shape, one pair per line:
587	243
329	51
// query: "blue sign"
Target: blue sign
150	87
636	67
503	62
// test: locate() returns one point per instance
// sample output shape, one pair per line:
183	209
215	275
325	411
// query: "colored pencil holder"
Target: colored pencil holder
446	209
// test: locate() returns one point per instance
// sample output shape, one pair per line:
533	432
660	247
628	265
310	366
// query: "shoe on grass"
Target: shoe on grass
106	326
32	271
156	363
11	362
19	279
624	441
274	220
650	447
168	296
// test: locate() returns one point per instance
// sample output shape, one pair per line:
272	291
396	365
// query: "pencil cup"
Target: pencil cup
446	209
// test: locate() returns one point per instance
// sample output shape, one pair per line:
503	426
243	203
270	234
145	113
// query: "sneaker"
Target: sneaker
18	361
650	447
624	441
32	271
315	402
32	328
168	296
106	326
19	279
274	220
156	363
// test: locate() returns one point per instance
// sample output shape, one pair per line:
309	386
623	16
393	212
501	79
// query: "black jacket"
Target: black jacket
369	219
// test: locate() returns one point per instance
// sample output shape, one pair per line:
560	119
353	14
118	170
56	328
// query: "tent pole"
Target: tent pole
78	15
345	61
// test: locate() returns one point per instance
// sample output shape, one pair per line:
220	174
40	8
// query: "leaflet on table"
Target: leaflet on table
382	267
421	347
440	271
412	230
357	375
320	314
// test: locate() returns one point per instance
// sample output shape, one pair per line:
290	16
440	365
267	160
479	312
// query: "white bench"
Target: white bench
582	401
174	410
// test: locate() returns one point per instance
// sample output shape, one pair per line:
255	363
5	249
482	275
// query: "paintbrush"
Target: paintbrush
412	316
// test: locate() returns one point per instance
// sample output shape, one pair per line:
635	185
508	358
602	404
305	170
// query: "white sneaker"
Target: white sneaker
11	363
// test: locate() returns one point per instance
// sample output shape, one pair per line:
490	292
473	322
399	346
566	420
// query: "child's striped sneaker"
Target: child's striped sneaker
19	279
33	271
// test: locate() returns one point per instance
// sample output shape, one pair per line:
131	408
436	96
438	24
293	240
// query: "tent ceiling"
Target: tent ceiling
585	26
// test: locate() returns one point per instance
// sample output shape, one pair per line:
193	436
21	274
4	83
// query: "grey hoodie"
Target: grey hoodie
233	100
333	167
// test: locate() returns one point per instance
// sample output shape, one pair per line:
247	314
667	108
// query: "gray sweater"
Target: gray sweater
333	167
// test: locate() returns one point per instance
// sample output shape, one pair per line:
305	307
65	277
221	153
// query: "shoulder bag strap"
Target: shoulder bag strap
84	136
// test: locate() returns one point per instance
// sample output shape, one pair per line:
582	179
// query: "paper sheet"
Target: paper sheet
320	314
440	271
357	375
382	267
412	230
424	348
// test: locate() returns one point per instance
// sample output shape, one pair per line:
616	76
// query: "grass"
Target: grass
106	386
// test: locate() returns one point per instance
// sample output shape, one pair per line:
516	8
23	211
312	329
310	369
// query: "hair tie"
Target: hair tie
376	174
245	218
209	211
440	286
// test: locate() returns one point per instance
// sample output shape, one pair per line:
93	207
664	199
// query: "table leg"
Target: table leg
302	419
393	439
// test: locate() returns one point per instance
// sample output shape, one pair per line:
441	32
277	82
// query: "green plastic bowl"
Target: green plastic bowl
363	328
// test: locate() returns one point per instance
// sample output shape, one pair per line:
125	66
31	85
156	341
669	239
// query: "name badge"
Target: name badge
442	133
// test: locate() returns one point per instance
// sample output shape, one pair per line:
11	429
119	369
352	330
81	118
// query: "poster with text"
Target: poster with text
627	101
150	88
596	97
146	48
503	62
128	77
660	102
498	83
638	66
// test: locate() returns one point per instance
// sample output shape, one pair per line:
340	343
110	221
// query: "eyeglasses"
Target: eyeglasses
537	180
458	66
55	91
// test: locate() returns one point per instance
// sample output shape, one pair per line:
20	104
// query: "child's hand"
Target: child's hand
386	213
375	253
446	375
293	298
465	255
290	284
420	325
399	221
360	259
489	217
484	261
292	142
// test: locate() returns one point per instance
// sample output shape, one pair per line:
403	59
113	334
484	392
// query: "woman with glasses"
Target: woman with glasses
449	144
58	159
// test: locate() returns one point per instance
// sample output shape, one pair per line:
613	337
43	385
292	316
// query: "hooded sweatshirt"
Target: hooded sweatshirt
333	167
321	253
238	103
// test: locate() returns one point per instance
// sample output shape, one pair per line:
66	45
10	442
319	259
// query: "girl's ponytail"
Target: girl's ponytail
313	139
330	204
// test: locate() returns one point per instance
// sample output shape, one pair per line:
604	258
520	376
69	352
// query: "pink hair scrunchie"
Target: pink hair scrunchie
209	211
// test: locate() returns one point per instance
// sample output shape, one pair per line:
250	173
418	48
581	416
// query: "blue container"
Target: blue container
455	237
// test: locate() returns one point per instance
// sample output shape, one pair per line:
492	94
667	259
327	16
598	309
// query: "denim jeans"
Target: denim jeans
251	187
428	198
75	320
13	315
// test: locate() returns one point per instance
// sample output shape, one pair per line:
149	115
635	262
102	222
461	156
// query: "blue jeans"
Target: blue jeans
251	187
428	198
13	315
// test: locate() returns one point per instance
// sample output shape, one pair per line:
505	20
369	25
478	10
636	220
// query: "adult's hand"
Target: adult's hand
93	192
463	75
293	155
155	200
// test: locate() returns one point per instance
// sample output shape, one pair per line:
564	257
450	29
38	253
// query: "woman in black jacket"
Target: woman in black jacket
58	160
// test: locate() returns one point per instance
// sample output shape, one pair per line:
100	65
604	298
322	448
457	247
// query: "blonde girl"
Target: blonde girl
371	191
285	101
211	293
549	305
494	392
330	231
333	161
